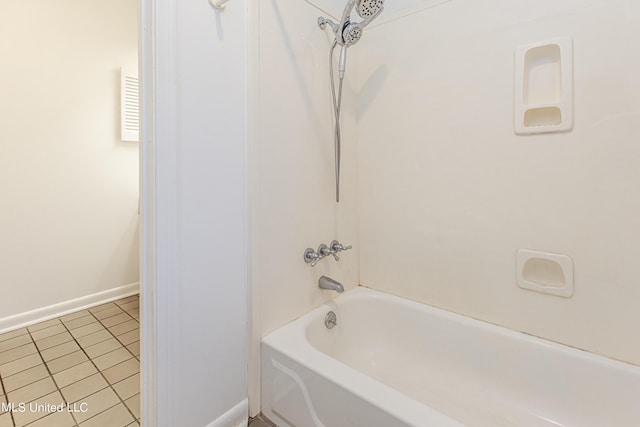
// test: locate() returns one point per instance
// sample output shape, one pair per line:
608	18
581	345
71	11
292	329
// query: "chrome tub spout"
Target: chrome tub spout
329	284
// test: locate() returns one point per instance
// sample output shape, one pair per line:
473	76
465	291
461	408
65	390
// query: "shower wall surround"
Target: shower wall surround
449	193
69	217
294	184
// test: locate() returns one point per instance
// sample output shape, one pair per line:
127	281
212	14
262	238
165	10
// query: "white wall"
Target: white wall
69	186
292	171
293	177
194	281
448	192
212	209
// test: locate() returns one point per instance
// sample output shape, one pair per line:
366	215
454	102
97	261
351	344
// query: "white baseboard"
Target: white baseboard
60	309
237	416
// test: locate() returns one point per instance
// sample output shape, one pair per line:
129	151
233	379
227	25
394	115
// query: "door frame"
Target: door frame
158	207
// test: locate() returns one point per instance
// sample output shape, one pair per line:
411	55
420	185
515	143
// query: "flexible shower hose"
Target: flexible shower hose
336	109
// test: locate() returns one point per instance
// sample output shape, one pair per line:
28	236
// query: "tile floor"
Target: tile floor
85	363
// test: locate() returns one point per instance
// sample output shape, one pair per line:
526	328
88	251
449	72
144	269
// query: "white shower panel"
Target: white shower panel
449	193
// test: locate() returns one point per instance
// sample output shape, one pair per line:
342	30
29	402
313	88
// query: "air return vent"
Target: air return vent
129	109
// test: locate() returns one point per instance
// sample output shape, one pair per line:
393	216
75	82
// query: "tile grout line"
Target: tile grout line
49	372
75	340
60	357
116	337
6	394
6	391
75	351
100	372
14	348
17	336
126	348
90	360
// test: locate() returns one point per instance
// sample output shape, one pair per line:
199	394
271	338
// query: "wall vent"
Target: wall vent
129	106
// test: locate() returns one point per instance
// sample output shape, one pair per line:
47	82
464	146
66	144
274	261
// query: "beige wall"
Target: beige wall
448	193
293	169
69	187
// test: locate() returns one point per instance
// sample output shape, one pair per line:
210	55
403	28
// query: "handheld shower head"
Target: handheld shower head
347	34
351	33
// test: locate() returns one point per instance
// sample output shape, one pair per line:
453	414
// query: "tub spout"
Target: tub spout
327	283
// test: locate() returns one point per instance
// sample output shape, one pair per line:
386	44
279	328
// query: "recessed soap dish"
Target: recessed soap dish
544	87
545	272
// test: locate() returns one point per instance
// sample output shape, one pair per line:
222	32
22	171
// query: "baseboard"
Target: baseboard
234	417
60	309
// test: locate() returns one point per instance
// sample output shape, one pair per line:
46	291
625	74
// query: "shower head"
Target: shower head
351	33
350	36
369	8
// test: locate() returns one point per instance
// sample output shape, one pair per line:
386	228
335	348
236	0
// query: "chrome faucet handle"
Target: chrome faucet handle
312	257
325	250
337	246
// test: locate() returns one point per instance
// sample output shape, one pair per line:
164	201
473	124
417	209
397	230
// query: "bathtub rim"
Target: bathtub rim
291	341
299	325
370	390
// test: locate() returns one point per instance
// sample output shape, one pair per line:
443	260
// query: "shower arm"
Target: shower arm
322	23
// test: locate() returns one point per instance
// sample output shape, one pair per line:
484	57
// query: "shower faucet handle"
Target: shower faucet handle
325	250
337	246
312	257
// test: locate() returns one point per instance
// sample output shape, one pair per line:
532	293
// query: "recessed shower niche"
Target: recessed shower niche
544	87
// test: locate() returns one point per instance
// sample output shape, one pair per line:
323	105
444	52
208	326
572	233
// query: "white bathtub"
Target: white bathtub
393	362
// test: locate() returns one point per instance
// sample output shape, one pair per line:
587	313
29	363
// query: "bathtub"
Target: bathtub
393	362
